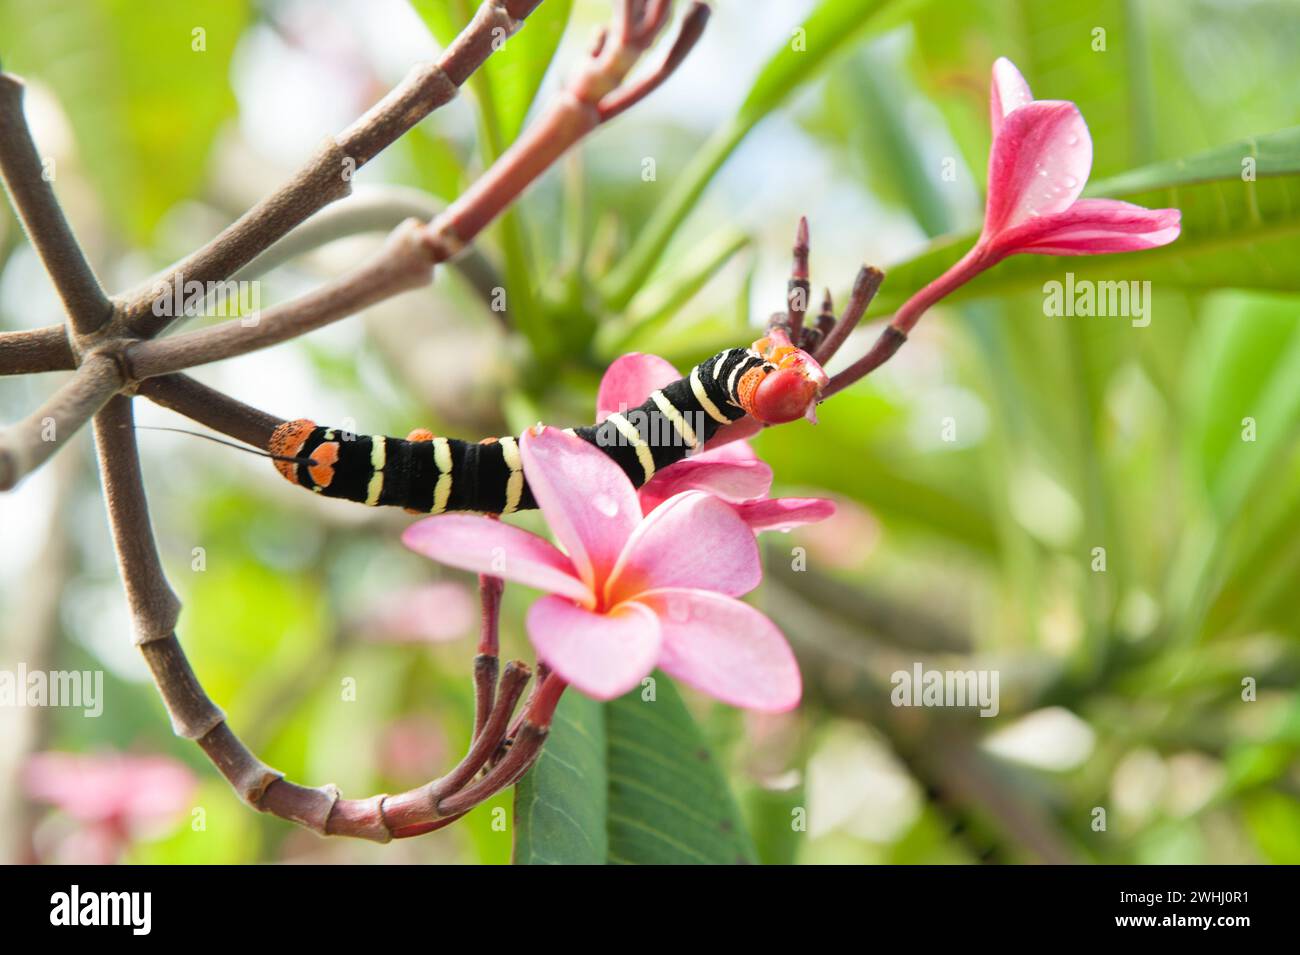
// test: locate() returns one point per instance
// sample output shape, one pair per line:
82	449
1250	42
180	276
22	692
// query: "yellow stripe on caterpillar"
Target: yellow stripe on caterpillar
515	483
702	396
633	437
378	457
441	490
669	411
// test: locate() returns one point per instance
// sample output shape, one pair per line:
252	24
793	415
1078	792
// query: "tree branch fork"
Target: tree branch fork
115	348
112	346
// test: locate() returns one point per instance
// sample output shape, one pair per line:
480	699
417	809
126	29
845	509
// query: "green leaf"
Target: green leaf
1273	821
1236	234
830	28
145	103
629	781
561	805
660	303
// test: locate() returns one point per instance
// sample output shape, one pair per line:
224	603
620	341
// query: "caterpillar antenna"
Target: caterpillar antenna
229	444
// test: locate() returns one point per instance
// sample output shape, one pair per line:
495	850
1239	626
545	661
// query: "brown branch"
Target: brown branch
591	98
400	265
380	209
327	177
154	607
36	350
207	406
33	197
798	288
26	445
498	752
485	663
154	612
865	286
890	341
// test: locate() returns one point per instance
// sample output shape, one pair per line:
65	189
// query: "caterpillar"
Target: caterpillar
771	380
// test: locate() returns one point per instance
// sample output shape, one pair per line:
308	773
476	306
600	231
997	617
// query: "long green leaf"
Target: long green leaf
830	28
562	804
630	781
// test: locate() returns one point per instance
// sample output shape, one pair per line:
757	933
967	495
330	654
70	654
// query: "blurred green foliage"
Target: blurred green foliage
1172	446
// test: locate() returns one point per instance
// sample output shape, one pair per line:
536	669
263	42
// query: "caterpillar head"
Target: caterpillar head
788	391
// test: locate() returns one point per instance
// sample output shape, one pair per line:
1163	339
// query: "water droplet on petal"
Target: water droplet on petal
679	610
605	505
1071	182
1073	141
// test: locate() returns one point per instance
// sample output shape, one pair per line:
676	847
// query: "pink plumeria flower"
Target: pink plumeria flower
732	472
629	592
113	797
1038	166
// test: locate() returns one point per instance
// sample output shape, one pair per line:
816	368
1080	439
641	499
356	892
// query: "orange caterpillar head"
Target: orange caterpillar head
789	391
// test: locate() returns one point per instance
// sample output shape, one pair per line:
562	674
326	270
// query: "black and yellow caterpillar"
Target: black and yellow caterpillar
771	380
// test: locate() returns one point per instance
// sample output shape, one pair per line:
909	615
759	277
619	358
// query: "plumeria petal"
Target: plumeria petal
629	380
725	648
1009	91
1093	226
1039	164
733	433
732	481
691	540
487	546
784	513
603	655
735	452
587	500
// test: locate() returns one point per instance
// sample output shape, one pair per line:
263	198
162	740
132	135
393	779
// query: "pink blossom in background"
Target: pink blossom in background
113	797
630	591
732	472
412	748
1038	165
430	613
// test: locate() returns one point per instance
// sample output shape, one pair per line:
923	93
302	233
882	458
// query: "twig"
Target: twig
26	445
154	611
485	663
592	97
890	341
220	412
115	359
327	177
33	197
400	265
865	286
380	209
798	289
154	606
37	350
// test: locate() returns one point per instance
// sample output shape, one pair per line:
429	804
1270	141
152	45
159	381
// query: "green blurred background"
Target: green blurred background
977	474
